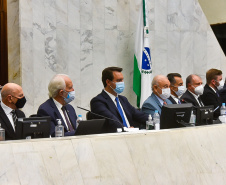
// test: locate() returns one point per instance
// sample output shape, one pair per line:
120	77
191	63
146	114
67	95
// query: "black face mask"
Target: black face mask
21	102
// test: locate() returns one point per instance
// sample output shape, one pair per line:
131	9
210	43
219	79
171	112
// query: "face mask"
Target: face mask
119	87
180	90
70	97
221	85
165	93
21	102
199	90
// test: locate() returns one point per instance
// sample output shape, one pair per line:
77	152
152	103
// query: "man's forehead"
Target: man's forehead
117	74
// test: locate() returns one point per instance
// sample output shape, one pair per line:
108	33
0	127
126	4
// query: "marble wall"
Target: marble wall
82	37
190	156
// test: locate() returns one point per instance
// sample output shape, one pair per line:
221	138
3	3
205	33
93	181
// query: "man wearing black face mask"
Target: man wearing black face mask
12	99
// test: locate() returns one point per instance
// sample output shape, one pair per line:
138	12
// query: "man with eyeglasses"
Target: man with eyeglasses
61	93
159	96
210	95
176	87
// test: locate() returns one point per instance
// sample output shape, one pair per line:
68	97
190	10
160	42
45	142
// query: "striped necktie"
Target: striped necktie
13	112
67	120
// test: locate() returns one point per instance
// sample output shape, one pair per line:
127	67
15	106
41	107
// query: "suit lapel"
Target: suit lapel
111	104
6	122
57	113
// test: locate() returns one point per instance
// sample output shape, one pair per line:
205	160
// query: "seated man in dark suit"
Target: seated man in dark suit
61	92
159	97
176	87
194	90
112	105
222	93
12	99
210	96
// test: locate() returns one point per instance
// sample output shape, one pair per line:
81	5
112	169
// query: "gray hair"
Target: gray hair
56	83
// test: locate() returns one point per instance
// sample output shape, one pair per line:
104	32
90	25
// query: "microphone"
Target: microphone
103	117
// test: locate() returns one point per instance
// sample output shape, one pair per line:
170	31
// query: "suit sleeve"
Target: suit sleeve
98	106
148	108
42	113
209	99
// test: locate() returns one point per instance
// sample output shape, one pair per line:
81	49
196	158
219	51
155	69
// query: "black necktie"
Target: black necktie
67	120
13	112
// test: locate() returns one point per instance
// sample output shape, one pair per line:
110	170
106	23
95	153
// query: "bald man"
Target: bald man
12	100
194	90
61	93
159	96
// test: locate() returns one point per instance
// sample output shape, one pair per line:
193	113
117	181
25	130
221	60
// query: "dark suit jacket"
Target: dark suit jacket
209	97
10	134
102	104
172	100
49	108
222	94
187	97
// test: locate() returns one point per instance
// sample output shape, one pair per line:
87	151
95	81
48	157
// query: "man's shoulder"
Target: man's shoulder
100	96
46	104
152	98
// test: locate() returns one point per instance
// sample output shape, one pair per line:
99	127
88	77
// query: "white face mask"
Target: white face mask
165	93
180	90
221	85
199	90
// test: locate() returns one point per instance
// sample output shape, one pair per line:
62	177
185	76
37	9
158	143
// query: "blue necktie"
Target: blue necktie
120	112
179	102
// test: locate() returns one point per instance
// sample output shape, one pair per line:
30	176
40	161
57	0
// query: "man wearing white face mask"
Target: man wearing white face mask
210	96
61	93
176	87
112	105
159	97
194	90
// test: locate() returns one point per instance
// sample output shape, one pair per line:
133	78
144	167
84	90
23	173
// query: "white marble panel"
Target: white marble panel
8	170
174	15
161	15
87	161
98	15
200	52
150	13
174	52
61	36
38	51
110	14
118	166
187	53
134	9
160	63
213	51
86	14
111	48
187	15
123	15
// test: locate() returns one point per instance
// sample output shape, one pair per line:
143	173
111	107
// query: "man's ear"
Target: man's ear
9	98
61	92
155	87
108	82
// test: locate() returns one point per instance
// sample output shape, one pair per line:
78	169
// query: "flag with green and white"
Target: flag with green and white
142	60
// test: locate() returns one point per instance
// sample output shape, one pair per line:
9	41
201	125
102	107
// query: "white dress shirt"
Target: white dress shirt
175	98
196	97
59	106
113	99
8	113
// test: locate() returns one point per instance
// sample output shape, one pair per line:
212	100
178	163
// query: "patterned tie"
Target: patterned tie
120	112
179	101
200	101
67	120
13	112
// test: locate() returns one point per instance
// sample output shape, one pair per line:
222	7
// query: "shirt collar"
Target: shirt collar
196	96
6	109
58	105
213	89
111	95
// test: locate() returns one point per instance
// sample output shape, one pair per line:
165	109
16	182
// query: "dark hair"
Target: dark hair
212	75
188	80
107	73
171	77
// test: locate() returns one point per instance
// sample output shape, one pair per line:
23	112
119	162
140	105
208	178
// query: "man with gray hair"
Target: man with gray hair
159	96
61	93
